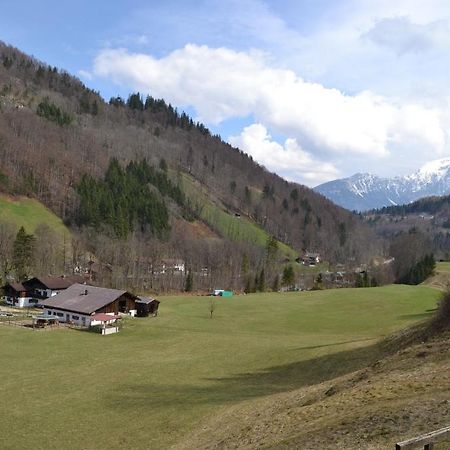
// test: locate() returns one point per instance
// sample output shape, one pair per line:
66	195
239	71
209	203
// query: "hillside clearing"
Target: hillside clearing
159	379
30	213
228	225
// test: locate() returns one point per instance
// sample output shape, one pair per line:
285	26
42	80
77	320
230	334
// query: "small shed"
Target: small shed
226	294
222	293
107	323
147	306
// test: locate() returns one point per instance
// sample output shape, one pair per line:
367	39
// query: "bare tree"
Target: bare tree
212	307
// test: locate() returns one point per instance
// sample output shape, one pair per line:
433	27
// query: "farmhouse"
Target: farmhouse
16	294
30	292
81	304
45	287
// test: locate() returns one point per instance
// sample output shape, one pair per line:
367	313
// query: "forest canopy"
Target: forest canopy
125	200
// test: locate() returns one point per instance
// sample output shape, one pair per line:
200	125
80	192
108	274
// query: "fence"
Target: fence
426	441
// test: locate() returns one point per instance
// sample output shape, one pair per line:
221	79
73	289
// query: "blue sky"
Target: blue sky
313	89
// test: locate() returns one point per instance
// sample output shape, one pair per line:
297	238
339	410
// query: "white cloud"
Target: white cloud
221	83
288	160
85	74
403	36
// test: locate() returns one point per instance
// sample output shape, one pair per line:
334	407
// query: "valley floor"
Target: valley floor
269	370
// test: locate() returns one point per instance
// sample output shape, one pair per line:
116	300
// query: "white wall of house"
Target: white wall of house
65	316
20	302
47	292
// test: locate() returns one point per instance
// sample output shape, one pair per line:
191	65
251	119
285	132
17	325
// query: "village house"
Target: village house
17	295
30	292
172	265
45	287
310	259
89	305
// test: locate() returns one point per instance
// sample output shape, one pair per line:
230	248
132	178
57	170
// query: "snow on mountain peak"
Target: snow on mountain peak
364	191
433	169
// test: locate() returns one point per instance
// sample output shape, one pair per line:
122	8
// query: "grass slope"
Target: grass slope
394	399
441	277
29	213
226	224
159	379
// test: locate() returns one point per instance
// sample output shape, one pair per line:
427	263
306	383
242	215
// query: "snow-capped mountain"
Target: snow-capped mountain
364	191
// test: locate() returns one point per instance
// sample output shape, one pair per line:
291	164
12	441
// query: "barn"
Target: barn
81	304
146	306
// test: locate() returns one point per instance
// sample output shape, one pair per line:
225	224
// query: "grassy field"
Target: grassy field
443	266
160	378
29	213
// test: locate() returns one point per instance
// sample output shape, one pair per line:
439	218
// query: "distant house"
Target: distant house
171	265
96	271
80	303
16	294
310	259
146	306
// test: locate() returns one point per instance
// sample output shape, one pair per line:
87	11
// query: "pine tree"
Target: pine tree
276	283
261	285
189	284
288	276
23	250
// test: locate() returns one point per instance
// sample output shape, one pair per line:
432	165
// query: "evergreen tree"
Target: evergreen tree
271	249
276	283
261	286
23	251
288	277
189	284
135	102
294	194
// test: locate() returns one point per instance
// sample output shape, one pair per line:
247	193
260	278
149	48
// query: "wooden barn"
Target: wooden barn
147	306
80	303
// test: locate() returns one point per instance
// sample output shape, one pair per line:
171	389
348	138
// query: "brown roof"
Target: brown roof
102	317
54	282
84	299
146	300
18	287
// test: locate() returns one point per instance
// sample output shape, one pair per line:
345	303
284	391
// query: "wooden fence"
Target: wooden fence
426	441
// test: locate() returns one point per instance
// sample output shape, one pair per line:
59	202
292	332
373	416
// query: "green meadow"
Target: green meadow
160	378
30	213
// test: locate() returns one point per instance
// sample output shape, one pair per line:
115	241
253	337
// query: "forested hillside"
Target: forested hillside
118	173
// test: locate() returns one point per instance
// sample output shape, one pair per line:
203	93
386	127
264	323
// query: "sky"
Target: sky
314	90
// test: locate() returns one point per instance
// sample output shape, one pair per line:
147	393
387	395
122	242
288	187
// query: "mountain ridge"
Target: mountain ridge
364	191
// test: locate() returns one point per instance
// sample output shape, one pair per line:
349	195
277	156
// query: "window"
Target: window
60	314
54	313
75	317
